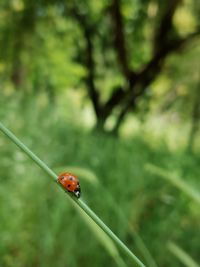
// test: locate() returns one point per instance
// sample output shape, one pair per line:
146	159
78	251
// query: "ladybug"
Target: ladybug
70	182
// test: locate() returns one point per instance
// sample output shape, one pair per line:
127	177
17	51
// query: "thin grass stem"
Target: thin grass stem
79	201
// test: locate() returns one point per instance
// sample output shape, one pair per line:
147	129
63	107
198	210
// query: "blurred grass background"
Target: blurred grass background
108	90
39	227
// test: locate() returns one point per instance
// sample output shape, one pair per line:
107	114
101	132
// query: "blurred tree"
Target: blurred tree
117	33
17	30
117	48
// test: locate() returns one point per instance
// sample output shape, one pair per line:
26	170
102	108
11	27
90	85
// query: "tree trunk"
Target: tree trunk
195	119
166	41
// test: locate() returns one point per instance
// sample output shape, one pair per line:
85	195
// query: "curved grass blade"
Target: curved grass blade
181	255
173	179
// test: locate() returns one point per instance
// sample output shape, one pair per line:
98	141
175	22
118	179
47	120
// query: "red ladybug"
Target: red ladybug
70	182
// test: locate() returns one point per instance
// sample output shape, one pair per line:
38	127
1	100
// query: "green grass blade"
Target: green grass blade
181	255
103	238
179	183
79	202
91	177
149	260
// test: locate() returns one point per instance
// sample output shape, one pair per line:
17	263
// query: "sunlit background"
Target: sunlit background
109	90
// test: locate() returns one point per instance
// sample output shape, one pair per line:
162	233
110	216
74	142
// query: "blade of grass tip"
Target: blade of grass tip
79	202
181	255
179	183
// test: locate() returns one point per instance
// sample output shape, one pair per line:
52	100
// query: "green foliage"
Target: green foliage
44	99
37	229
44	49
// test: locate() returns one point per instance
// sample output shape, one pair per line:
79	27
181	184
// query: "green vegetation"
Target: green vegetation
38	226
182	255
82	205
108	90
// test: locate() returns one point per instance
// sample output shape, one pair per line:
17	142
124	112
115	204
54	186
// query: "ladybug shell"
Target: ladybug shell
70	182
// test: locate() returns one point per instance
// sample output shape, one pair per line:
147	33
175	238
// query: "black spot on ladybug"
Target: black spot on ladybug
68	185
71	178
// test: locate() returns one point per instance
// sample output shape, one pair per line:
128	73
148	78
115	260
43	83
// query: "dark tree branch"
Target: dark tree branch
139	82
129	105
195	118
166	41
88	32
24	28
165	30
155	65
148	74
114	100
119	36
94	95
